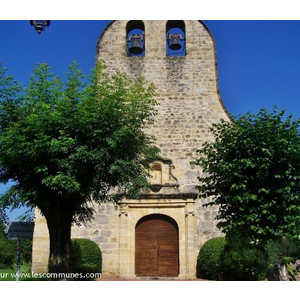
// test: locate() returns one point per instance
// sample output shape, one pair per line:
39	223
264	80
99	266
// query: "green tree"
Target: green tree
252	172
65	145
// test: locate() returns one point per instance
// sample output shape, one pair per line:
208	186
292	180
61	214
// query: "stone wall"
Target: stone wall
104	231
188	97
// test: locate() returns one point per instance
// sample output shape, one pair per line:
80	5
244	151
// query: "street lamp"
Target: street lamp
39	26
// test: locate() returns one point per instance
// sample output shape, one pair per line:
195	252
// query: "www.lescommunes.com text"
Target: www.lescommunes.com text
52	275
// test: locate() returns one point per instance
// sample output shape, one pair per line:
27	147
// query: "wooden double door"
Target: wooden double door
156	246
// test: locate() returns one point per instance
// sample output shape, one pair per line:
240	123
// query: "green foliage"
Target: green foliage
233	259
86	256
25	267
282	251
8	251
251	171
26	251
66	144
293	272
209	258
243	262
70	142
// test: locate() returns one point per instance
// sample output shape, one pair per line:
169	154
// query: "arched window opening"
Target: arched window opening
135	38
175	38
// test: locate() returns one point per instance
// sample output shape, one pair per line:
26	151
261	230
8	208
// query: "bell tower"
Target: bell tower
161	233
179	58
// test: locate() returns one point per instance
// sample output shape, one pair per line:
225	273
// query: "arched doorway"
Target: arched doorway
156	246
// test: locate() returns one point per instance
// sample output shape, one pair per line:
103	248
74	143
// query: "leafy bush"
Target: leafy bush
26	251
235	258
209	258
86	256
282	252
25	267
8	251
243	262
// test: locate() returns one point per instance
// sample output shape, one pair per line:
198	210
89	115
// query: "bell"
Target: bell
136	46
174	43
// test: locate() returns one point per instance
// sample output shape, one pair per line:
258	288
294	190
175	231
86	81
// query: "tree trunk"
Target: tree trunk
59	225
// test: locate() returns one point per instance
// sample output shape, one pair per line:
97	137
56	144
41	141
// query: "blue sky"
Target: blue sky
258	61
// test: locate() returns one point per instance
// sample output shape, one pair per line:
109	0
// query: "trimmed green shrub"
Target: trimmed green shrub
86	256
209	258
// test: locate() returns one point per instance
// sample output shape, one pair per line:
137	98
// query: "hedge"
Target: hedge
86	256
209	258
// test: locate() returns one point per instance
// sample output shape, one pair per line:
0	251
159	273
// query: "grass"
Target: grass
6	274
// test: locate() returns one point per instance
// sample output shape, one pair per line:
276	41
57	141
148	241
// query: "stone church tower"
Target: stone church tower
161	233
